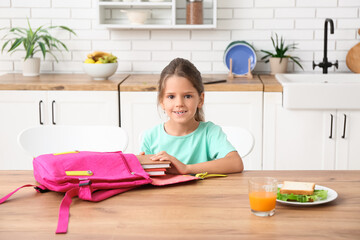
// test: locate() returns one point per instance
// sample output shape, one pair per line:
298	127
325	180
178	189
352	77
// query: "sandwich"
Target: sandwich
300	192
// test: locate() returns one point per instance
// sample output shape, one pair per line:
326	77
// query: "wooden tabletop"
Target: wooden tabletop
72	82
149	82
214	208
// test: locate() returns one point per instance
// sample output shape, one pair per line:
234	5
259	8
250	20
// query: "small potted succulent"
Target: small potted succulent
33	41
279	59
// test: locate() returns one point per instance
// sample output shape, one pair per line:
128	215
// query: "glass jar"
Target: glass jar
194	11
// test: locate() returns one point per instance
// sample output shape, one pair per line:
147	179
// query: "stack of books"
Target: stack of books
154	168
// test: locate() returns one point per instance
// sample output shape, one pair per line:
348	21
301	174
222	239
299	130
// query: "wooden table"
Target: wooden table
216	208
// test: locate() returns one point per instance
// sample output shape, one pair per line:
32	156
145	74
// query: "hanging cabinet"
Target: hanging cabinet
164	14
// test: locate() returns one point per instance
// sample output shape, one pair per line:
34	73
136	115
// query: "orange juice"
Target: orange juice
262	201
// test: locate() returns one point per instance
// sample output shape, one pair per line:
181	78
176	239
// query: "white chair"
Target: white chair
61	138
241	139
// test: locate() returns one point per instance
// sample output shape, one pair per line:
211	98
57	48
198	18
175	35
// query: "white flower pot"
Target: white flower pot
278	67
31	67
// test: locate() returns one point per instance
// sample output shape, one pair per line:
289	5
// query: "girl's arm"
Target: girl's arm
231	163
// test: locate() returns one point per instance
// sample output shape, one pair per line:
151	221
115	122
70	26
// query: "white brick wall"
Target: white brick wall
148	51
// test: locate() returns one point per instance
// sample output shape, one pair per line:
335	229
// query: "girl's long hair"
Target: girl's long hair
182	68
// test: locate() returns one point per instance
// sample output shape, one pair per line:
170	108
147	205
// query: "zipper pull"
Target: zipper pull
65	153
79	173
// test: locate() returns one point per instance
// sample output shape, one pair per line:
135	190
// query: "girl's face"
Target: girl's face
181	100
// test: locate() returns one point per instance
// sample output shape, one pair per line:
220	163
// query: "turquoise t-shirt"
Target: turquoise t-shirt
206	143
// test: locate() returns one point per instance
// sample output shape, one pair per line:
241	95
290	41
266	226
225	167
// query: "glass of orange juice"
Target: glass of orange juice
262	196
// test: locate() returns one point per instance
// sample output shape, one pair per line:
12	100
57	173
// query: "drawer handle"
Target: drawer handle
40	107
344	129
331	125
53	112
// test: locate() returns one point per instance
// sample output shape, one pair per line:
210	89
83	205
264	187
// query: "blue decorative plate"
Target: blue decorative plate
240	52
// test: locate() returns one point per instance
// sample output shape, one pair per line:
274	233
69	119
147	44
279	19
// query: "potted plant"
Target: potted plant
39	40
279	59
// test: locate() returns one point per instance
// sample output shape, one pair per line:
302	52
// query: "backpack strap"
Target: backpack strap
10	194
65	210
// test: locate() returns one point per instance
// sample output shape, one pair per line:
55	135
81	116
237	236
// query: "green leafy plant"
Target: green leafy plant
39	40
280	51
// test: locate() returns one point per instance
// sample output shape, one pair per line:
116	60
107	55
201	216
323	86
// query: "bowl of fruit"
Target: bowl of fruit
100	65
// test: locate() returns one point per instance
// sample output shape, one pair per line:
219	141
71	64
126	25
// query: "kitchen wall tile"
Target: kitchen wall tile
206	56
4	23
92	34
338	34
337	13
32	3
250	34
349	3
151	45
348	23
274	3
77	45
74	23
130	34
84	13
309	24
345	44
234	24
71	3
68	66
316	3
111	45
192	45
235	3
50	13
13	13
168	56
273	24
149	67
253	13
225	13
34	23
6	66
295	13
170	35
210	34
133	55
5	3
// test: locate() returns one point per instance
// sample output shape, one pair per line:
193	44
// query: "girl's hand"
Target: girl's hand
177	166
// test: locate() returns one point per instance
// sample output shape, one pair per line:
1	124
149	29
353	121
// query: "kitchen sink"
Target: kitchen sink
320	91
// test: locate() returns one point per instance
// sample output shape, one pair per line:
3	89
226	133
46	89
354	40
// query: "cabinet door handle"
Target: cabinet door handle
344	129
331	125
53	112
40	118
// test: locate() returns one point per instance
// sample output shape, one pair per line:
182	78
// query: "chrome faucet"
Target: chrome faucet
325	64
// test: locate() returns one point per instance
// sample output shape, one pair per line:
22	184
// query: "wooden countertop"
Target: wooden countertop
214	208
134	82
270	83
72	82
148	82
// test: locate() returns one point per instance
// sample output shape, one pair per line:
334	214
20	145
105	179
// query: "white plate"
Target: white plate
332	195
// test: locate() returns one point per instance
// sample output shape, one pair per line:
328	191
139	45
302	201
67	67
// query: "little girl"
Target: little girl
191	144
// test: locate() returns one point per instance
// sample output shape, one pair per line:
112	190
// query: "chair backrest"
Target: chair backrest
240	138
63	138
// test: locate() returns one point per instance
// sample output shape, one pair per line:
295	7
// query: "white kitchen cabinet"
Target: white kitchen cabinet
139	112
22	109
308	139
238	109
164	14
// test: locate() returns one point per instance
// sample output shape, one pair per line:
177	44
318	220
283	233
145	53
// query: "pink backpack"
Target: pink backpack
92	176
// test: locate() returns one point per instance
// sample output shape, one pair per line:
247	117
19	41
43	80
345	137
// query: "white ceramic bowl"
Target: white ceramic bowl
100	71
137	17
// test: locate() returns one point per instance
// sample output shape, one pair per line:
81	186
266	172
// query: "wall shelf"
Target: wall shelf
167	14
